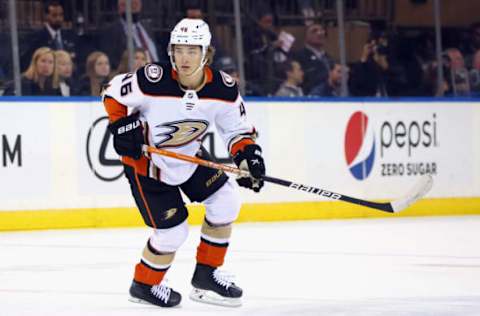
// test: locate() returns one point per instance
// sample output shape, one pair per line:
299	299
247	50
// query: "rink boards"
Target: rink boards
59	169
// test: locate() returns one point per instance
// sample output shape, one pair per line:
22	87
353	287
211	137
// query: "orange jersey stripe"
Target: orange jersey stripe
240	145
115	109
140	165
147	207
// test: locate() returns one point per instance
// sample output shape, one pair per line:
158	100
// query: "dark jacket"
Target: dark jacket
29	87
42	38
113	42
315	69
82	86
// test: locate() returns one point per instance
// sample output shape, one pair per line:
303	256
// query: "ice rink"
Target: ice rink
394	266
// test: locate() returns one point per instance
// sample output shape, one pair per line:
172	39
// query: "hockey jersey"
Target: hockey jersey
176	118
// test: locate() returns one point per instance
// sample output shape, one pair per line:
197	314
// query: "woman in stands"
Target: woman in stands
38	79
64	71
98	74
140	60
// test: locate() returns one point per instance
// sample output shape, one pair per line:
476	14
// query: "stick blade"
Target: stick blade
417	192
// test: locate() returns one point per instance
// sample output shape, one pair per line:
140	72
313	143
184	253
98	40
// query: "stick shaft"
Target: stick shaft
385	207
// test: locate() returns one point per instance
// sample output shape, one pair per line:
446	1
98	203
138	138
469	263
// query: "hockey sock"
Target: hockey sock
152	267
213	243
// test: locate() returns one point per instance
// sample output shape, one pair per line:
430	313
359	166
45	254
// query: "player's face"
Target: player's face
45	65
102	66
187	58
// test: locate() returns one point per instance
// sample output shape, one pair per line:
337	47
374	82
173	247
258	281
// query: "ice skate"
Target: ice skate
160	295
213	286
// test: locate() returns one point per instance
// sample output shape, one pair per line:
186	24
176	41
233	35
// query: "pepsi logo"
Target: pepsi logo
359	145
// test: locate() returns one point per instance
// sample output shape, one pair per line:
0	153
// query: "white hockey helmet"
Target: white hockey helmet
190	32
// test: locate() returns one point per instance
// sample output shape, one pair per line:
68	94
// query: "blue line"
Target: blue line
58	99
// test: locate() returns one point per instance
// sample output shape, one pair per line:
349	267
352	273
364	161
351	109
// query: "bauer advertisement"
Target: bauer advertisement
59	155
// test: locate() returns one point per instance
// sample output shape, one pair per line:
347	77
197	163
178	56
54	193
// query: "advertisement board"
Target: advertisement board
59	155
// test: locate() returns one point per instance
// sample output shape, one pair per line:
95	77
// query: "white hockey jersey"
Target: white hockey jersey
175	118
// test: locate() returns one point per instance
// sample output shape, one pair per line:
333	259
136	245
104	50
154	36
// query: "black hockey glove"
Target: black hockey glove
250	159
128	136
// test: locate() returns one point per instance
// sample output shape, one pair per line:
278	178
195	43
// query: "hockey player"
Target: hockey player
171	106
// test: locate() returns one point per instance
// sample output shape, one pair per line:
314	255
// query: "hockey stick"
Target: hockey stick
418	191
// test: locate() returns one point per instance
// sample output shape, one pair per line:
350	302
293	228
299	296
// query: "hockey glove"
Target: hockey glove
127	136
250	159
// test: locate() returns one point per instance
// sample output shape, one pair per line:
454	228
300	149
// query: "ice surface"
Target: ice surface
395	266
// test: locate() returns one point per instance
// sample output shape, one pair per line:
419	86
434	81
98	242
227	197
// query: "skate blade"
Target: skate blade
143	302
138	301
210	297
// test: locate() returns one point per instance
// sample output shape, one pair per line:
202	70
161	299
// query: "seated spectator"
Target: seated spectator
38	79
313	58
114	37
430	82
140	60
378	73
472	44
263	51
98	74
194	10
64	71
294	78
228	65
52	35
457	73
6	64
475	73
333	86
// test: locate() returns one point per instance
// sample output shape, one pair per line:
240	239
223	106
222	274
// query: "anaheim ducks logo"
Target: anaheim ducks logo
179	133
169	213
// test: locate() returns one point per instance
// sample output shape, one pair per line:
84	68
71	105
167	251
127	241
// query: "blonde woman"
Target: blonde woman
64	71
38	79
140	60
98	74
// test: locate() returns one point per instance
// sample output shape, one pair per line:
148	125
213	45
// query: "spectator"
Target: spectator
38	79
457	73
98	74
472	44
228	65
140	60
430	82
51	35
263	50
5	59
313	58
378	73
193	10
114	37
475	73
64	71
333	86
294	78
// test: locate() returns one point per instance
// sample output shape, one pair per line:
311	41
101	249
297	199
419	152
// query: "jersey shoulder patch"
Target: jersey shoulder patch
222	87
153	72
227	79
156	80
